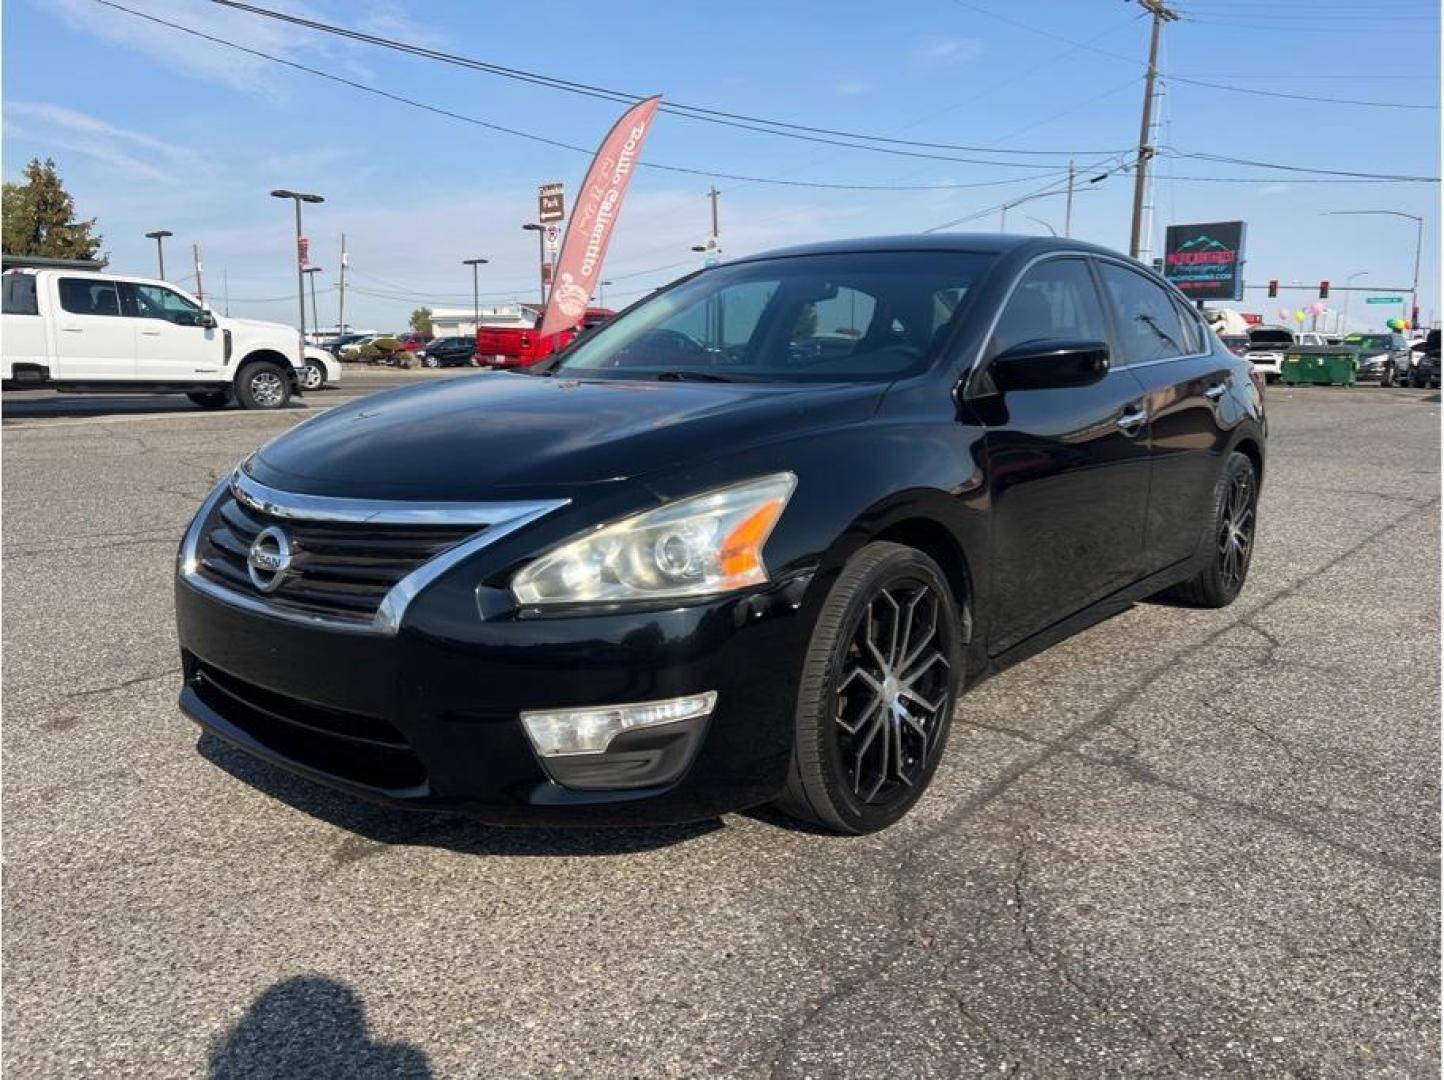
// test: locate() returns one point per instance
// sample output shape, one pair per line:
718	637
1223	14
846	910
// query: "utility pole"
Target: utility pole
712	194
1068	213
1161	15
341	304
200	289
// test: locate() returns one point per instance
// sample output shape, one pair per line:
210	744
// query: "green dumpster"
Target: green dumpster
1327	365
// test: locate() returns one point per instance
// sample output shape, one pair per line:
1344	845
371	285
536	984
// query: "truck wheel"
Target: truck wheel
210	399
313	376
263	385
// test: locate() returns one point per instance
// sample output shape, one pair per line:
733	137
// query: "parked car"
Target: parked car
1425	371
1235	343
449	352
1267	346
321	369
413	341
519	347
341	342
1382	357
677	571
85	332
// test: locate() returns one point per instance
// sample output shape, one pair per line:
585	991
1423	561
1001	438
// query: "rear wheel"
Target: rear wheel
1235	517
879	683
210	399
263	385
313	376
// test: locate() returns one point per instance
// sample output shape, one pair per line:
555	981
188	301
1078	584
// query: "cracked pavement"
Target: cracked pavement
1180	843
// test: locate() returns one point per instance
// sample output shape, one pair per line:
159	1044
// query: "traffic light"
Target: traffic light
1323	290
1273	288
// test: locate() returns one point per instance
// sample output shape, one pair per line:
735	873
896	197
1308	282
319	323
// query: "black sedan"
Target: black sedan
701	562
449	352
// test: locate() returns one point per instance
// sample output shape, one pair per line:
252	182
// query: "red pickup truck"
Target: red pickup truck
516	346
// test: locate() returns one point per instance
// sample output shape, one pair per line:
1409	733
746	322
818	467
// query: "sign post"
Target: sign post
1205	261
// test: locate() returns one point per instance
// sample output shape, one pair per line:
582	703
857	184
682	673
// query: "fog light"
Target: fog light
560	732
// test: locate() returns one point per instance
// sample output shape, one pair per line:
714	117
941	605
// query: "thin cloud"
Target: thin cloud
135	154
943	51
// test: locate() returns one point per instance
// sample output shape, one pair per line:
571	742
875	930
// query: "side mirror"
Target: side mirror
1049	365
206	319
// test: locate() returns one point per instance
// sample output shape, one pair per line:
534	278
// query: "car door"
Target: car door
1187	382
94	342
171	345
1068	467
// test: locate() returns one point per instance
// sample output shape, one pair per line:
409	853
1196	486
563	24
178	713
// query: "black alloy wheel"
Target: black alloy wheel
879	686
1235	522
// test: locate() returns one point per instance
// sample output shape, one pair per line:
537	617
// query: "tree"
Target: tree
421	320
39	217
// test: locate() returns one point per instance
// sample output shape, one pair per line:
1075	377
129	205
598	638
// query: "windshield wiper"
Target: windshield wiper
690	375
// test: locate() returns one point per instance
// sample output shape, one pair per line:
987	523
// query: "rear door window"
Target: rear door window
1148	324
87	296
20	295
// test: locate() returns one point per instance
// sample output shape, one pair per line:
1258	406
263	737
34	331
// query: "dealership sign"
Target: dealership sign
1205	262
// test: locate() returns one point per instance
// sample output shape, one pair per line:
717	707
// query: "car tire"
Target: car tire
1231	539
210	399
263	385
314	376
864	645
431	362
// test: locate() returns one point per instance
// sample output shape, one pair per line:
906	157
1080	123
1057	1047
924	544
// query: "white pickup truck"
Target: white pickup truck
97	333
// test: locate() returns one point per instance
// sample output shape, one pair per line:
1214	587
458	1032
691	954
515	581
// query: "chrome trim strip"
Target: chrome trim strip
326	508
500	519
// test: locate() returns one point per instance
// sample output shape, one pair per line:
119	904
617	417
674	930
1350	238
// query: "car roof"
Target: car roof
977	243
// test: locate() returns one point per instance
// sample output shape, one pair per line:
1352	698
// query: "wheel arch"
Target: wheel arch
1249	447
256	356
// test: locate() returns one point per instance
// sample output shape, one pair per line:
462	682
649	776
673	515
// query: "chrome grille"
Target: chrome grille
338	570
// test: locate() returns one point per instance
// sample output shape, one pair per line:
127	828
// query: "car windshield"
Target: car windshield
858	316
1371	341
1265	339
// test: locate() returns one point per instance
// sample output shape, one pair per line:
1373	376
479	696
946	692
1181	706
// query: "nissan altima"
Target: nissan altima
750	542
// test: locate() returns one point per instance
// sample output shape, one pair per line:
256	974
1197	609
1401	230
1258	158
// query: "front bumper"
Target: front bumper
430	718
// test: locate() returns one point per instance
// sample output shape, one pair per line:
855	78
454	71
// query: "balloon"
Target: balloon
1284	313
1317	308
1299	315
1407	324
1395	324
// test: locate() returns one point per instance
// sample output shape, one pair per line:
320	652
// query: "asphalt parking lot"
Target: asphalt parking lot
1181	843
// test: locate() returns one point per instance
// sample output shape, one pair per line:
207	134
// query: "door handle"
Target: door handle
73	329
1130	423
151	333
1214	392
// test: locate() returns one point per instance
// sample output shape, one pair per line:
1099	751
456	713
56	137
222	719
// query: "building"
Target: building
461	322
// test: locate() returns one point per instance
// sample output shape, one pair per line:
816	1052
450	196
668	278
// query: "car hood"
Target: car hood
501	435
259	324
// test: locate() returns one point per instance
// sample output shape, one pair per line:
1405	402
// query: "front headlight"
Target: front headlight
703	544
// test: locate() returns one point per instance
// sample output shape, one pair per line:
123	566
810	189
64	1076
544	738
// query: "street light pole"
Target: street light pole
1043	223
298	197
1418	245
159	236
541	251
475	287
311	272
1348	293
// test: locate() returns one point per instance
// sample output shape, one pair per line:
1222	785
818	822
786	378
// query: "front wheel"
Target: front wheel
313	375
876	698
1235	517
430	361
263	385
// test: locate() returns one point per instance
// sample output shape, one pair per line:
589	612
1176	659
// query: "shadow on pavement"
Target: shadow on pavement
311	1026
51	406
386	826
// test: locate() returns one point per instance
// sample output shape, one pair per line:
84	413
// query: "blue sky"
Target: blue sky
154	129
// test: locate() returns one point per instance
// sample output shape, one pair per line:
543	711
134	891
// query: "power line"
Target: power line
1226	160
452	114
702	113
